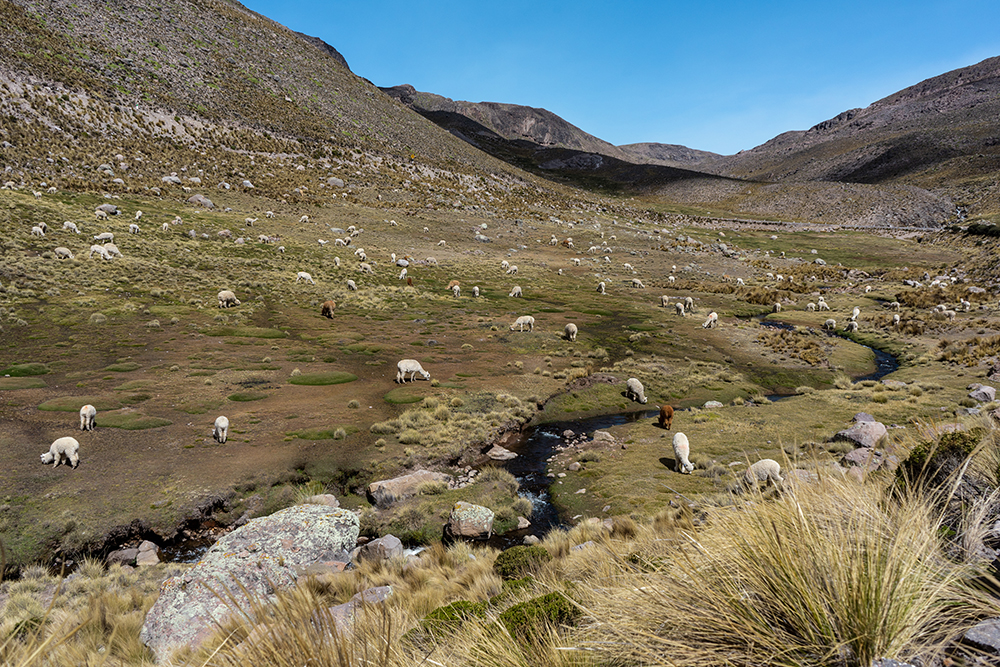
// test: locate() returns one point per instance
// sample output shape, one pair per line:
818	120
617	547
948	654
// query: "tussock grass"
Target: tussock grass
322	379
866	578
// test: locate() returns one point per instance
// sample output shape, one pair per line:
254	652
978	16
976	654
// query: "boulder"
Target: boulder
471	521
983	394
498	453
122	556
603	436
862	417
172	180
335	182
253	560
110	209
385	492
147	554
201	200
383	548
709	405
863	434
866	458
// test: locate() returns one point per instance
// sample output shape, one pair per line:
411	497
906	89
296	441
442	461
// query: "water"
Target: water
533	449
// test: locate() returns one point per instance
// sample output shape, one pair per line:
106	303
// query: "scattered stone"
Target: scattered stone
172	180
383	548
894	384
327	499
864	434
498	453
335	182
983	394
530	540
574	466
471	521
603	436
110	209
522	523
712	404
148	554
585	545
386	492
862	417
122	556
966	411
986	636
579	491
201	200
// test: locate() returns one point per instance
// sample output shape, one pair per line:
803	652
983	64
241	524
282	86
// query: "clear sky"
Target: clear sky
715	75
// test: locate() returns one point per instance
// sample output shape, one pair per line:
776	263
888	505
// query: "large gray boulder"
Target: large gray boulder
862	433
385	492
470	521
257	559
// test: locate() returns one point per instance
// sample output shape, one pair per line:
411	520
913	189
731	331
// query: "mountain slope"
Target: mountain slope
944	123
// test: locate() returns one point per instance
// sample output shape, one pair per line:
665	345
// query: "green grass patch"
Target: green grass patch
130	421
246	396
124	367
134	385
21	383
403	395
320	379
74	403
361	348
24	370
596	311
246	332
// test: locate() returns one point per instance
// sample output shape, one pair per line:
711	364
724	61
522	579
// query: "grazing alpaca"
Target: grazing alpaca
666	417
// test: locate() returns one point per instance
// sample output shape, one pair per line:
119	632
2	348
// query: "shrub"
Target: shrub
451	616
530	621
516	562
353	404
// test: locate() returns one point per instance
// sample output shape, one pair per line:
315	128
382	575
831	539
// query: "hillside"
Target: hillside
939	134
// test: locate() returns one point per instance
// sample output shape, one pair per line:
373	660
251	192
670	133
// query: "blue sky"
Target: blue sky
713	75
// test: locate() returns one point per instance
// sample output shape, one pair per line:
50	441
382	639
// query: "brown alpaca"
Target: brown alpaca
409	281
328	308
666	417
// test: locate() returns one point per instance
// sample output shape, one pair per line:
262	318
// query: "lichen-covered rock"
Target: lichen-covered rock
264	555
385	492
471	521
147	554
863	433
986	636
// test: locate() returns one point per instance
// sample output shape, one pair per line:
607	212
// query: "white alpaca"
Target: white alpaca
524	320
63	253
504	265
515	291
634	389
895	319
456	290
133	228
776	308
227	299
811	307
766	471
411	366
679	308
682	449
601	288
851	327
712	321
855	313
37	231
303	275
352	286
475	291
88	416
638	284
221	430
99	249
71	226
67	448
688	304
571	331
830	324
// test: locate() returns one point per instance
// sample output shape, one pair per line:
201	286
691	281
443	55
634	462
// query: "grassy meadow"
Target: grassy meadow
314	406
